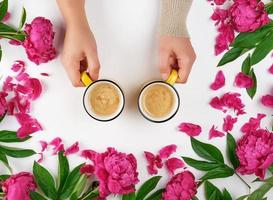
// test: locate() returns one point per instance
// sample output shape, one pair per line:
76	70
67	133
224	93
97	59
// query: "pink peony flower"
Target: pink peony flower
230	101
270	70
255	152
173	164
116	172
253	124
219	81
213	133
3	103
267	101
229	123
18	186
182	186
39	41
190	129
154	162
243	81
248	15
166	151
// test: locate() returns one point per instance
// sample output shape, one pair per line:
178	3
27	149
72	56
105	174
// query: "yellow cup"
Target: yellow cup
87	81
158	101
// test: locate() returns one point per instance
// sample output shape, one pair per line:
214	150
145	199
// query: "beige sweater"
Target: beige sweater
173	20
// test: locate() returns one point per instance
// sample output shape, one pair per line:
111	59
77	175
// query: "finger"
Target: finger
93	65
184	70
73	71
164	65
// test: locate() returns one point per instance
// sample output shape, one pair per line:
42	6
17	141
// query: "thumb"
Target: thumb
93	66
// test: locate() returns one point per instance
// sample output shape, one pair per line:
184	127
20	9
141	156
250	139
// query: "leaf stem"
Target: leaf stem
249	188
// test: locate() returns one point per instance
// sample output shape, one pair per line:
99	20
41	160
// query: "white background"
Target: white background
125	31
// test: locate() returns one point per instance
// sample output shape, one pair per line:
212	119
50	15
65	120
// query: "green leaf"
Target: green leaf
201	165
269	8
242	197
252	91
263	49
232	55
16	152
130	196
5	161
79	187
70	182
260	192
251	39
157	195
246	66
220	172
11	136
207	151
231	147
3	9
147	187
4	177
89	195
45	180
5	29
63	170
36	196
210	189
213	196
23	19
1	53
194	198
226	195
271	169
3	115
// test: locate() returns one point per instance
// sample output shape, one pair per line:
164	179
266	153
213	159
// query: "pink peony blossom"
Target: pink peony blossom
219	81
229	123
255	152
243	81
3	103
213	133
116	172
182	186
267	101
39	41
253	123
248	15
154	162
228	101
173	164
18	186
190	129
270	70
166	151
74	148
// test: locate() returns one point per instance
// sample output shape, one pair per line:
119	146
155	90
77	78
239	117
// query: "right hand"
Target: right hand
80	53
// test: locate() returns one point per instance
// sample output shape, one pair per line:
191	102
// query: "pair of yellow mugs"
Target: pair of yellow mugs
158	100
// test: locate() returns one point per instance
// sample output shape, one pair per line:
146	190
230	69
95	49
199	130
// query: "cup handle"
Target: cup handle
173	77
85	78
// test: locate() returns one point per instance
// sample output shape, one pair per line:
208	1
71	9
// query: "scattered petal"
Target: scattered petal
267	101
270	70
219	81
43	145
41	158
74	148
253	123
28	124
166	151
173	164
44	74
229	123
56	142
89	154
6	17
215	133
190	129
154	162
58	149
243	81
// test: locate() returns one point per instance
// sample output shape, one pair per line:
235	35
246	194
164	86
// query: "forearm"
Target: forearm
73	12
173	20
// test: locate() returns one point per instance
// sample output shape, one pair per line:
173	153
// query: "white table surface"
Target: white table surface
125	31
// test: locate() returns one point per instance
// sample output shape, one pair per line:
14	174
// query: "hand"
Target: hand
80	53
176	53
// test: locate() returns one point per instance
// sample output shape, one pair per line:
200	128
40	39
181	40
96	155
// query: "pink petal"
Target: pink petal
253	123
36	87
243	81
229	123
267	163
89	154
15	42
166	151
270	70
88	170
43	145
28	124
74	148
267	101
154	162
219	81
44	74
41	158
8	85
190	129
173	164
215	133
56	142
58	149
7	17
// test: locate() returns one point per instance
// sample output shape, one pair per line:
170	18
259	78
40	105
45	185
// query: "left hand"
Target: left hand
176	53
